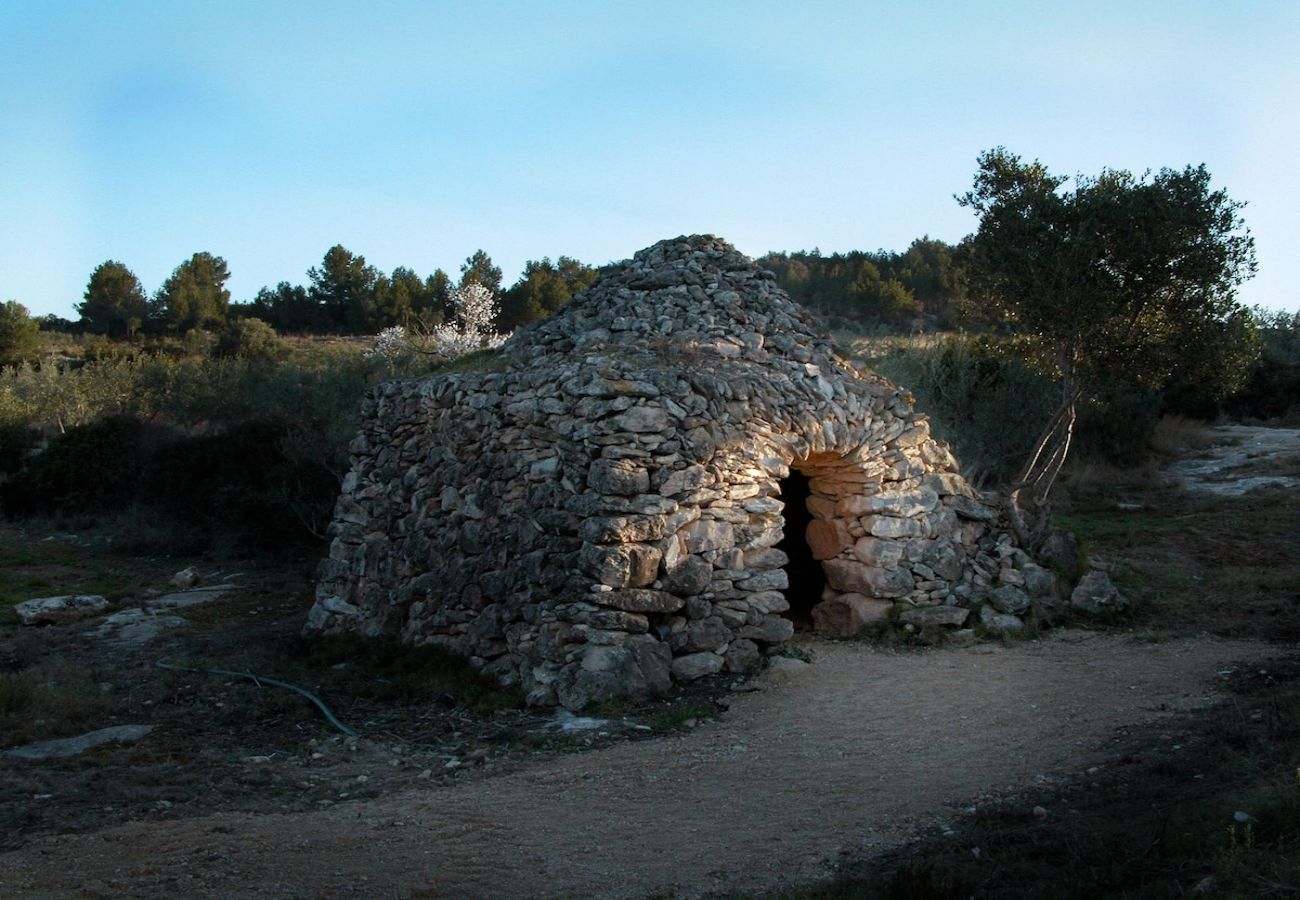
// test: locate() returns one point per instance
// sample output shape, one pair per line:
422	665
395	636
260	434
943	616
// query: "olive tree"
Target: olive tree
1112	278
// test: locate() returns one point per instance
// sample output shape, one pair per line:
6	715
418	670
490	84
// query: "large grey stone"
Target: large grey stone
696	665
1010	599
618	476
59	610
999	622
1096	593
854	578
64	747
845	615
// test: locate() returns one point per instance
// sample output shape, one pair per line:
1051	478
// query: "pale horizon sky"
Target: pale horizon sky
415	133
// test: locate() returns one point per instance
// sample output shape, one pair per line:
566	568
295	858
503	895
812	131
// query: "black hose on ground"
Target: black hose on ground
259	679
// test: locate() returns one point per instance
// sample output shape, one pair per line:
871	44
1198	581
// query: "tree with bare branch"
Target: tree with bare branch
1115	279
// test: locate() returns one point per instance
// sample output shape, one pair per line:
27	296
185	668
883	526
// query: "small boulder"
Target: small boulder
696	665
1060	550
59	610
185	578
1096	593
1001	623
1010	599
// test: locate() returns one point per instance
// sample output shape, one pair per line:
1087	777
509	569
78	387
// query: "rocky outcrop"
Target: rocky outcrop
601	516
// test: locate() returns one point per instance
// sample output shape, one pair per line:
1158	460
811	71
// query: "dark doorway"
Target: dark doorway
807	580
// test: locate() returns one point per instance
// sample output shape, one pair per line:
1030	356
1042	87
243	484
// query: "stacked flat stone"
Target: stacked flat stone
600	518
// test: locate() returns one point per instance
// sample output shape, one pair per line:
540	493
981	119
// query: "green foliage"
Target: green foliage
90	468
926	282
249	339
241	485
16	441
543	288
982	399
344	287
478	269
288	308
20	339
1120	279
115	303
194	295
1273	389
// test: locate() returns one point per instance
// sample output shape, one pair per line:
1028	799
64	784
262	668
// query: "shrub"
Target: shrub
987	404
90	468
16	440
249	339
241	487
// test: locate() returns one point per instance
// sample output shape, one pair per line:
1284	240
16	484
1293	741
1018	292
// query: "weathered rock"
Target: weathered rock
59	610
621	477
845	615
856	578
185	578
995	621
641	600
1010	599
634	668
696	665
743	656
827	539
1060	550
65	747
922	616
1096	593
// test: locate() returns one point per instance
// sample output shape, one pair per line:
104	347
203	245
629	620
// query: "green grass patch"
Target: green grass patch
1223	564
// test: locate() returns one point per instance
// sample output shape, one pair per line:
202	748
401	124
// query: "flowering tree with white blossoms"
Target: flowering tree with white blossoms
474	309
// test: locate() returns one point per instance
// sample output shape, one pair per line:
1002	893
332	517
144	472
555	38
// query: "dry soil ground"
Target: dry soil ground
850	755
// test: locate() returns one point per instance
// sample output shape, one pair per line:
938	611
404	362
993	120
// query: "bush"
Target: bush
249	339
240	486
987	404
16	440
91	468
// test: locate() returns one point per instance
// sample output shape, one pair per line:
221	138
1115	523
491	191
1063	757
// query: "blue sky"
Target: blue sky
415	133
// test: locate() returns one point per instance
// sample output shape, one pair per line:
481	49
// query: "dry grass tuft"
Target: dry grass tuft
1176	435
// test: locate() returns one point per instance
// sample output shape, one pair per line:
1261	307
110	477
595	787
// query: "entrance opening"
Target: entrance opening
807	580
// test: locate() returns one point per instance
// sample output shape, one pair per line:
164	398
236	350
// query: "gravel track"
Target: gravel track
852	754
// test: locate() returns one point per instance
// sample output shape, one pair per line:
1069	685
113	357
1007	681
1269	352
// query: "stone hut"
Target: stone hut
658	483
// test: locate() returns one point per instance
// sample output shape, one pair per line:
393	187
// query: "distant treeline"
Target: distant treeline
925	285
921	286
343	295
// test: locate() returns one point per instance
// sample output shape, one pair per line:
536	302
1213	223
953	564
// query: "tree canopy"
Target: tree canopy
20	340
1119	278
543	288
927	282
195	295
344	287
479	269
114	303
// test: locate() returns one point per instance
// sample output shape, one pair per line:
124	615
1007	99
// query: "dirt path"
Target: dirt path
854	753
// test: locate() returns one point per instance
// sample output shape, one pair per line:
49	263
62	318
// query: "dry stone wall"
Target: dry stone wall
600	518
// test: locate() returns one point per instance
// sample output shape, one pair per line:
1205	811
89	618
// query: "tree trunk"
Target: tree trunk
1026	499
